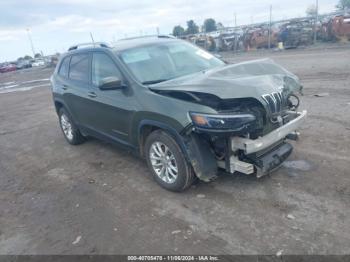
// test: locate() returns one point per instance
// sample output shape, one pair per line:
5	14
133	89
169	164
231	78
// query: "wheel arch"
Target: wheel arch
146	127
59	103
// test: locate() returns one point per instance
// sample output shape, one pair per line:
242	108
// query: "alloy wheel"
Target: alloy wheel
67	127
163	162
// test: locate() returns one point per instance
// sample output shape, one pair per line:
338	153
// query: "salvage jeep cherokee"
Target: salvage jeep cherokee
184	110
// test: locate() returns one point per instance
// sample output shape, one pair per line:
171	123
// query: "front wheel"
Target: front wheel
167	162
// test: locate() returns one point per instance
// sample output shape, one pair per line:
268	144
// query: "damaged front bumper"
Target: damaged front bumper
251	146
249	156
264	154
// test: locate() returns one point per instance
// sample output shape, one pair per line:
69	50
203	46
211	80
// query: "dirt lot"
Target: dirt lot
99	199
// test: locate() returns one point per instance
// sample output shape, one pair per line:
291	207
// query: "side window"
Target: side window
102	67
64	67
79	68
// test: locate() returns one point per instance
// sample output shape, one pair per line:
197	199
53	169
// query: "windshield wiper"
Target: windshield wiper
154	81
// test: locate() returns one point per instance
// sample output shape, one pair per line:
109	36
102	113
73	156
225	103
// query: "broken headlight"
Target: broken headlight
233	122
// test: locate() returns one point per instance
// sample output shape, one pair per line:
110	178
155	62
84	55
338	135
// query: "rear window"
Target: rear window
64	67
79	68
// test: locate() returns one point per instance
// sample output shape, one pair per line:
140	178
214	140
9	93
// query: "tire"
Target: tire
72	133
184	175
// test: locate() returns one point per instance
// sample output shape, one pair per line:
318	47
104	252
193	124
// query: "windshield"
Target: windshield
157	63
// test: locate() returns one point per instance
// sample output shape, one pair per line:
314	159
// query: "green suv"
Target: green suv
188	113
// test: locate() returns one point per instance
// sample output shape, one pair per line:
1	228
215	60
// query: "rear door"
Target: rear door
113	109
78	87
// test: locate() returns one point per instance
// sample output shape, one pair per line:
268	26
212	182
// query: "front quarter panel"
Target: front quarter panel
171	112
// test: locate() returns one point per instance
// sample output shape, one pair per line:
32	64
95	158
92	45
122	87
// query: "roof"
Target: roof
128	43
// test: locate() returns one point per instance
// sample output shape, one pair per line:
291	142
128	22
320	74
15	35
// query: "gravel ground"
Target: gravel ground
99	199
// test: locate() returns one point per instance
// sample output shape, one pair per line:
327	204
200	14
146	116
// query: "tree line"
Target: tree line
209	25
341	6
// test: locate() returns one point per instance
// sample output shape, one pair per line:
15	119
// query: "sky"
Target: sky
56	25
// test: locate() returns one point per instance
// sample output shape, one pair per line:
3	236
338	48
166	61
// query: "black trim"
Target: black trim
172	131
272	159
105	137
58	100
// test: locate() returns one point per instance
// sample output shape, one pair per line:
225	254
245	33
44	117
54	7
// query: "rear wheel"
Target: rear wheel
69	129
167	162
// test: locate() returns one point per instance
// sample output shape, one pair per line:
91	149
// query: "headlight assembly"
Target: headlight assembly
233	122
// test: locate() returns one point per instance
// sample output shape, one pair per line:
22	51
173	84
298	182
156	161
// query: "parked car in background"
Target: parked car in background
23	64
52	61
38	62
7	68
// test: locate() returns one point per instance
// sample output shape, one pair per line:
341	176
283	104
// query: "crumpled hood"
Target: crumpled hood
242	80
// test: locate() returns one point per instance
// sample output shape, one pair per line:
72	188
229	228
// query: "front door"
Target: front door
113	109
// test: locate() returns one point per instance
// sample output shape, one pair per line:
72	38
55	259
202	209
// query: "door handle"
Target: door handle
64	87
92	94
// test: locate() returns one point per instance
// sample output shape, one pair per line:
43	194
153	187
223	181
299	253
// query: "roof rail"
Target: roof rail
93	44
148	36
166	36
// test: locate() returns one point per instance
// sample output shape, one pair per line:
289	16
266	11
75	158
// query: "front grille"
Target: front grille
275	101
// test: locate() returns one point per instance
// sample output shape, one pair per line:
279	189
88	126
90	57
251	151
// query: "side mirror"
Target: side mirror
111	83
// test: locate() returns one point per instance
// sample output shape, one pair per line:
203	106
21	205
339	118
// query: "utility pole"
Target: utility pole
315	25
30	41
270	21
236	38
